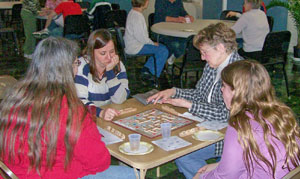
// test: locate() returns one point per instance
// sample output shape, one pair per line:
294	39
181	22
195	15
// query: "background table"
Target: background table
8	5
158	156
185	29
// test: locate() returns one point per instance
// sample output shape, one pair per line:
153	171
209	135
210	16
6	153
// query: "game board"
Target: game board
147	123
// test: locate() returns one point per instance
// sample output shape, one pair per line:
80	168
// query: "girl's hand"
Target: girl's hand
109	114
114	61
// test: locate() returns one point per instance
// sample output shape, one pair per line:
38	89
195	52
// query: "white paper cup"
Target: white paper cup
165	130
187	20
134	140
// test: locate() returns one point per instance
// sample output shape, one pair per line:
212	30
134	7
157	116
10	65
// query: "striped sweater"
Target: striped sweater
113	88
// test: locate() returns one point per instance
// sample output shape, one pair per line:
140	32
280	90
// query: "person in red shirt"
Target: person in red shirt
46	131
66	7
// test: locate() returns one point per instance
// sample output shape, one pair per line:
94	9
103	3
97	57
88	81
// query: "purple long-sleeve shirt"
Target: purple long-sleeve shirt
232	164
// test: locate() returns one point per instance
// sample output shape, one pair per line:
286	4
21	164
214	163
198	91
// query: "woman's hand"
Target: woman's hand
109	113
178	102
114	61
231	14
161	95
181	19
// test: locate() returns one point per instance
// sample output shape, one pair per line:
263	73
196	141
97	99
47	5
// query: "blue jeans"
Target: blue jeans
161	54
176	45
191	163
114	172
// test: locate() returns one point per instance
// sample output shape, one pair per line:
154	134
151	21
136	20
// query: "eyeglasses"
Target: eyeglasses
204	52
77	62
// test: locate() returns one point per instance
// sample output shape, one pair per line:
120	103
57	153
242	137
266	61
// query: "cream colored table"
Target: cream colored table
158	156
8	5
185	29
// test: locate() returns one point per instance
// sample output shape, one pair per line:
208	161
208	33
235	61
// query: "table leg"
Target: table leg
142	173
157	172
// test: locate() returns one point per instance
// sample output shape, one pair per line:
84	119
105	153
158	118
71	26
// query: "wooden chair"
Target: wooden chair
6	173
191	62
294	174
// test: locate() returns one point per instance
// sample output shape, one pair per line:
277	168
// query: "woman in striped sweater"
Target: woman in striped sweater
101	77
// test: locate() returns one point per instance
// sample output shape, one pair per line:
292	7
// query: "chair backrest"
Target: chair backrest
191	54
276	45
98	14
115	6
6	173
115	18
150	22
76	24
270	22
225	12
16	12
84	4
120	44
294	174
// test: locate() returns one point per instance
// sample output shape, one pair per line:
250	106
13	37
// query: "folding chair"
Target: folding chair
76	27
225	12
191	62
115	18
275	52
125	57
271	22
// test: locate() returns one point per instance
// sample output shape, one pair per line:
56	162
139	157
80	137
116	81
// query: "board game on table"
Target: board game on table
147	123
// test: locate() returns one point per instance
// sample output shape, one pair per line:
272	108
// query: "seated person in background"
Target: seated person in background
101	77
66	7
238	15
263	137
46	131
172	11
253	27
49	7
217	46
137	40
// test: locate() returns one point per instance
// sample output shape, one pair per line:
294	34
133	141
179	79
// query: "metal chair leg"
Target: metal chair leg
286	80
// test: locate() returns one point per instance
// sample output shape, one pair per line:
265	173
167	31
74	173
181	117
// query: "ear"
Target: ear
220	47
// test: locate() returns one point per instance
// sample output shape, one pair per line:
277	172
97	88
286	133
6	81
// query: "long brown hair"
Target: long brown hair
97	39
253	92
39	94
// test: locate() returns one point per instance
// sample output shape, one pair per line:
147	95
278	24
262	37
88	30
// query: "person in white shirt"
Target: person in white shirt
137	40
253	27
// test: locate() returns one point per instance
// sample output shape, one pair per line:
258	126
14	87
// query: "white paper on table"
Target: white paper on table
213	125
107	137
171	143
192	117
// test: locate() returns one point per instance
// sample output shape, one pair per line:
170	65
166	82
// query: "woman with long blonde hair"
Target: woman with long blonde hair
45	130
262	139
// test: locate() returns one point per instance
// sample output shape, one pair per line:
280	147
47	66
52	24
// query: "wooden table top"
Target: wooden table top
158	156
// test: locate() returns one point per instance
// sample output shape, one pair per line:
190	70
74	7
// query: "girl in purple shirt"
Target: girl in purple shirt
262	139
